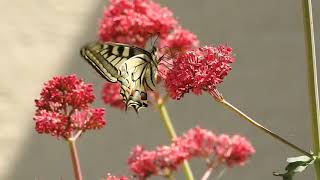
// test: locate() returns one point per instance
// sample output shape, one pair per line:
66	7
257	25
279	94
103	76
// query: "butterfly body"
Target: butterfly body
132	67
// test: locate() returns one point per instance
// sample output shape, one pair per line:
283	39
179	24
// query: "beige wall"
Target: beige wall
40	39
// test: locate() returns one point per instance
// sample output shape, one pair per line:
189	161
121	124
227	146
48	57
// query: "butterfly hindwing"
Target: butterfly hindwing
135	68
132	67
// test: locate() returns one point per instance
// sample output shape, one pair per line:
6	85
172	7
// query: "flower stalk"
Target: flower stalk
53	117
207	174
167	121
75	158
227	105
211	167
312	79
172	133
171	177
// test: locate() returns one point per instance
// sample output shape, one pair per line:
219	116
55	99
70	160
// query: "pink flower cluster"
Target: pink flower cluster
197	142
161	161
111	177
135	21
111	95
200	69
63	107
179	41
233	150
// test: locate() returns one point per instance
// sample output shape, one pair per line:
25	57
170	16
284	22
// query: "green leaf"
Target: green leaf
296	164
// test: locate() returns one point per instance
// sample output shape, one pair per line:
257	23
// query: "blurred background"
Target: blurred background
40	39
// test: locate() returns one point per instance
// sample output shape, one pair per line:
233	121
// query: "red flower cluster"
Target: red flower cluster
197	70
179	41
201	142
233	150
111	177
197	142
111	95
162	161
63	107
134	22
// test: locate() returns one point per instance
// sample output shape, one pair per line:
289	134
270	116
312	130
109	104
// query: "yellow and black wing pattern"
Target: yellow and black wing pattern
134	68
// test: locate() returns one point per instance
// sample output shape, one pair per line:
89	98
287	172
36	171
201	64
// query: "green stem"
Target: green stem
167	121
256	124
75	158
171	177
168	125
312	79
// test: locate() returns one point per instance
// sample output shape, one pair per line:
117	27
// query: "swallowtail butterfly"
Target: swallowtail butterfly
132	67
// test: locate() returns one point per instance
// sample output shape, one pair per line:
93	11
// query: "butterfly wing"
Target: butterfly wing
107	58
134	68
138	76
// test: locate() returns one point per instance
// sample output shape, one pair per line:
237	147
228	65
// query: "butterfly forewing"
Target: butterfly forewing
92	53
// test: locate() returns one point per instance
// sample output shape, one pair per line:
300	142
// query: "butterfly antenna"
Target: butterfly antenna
168	52
161	58
167	63
168	67
161	73
166	60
